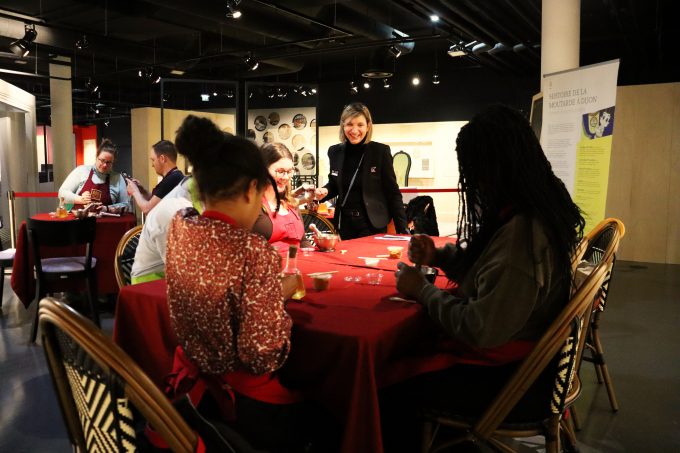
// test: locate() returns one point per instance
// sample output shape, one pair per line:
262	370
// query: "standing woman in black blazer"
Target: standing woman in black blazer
362	177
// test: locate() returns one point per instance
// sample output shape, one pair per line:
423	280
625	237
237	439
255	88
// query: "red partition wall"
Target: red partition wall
81	134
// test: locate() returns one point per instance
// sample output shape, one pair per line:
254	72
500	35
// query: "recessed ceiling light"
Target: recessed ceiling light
177	72
434	18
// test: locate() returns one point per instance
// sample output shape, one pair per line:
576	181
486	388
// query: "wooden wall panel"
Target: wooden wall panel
644	178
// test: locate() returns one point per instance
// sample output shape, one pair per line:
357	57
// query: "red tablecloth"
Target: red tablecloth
109	232
347	342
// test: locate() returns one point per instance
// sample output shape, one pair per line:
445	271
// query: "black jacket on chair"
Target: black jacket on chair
381	195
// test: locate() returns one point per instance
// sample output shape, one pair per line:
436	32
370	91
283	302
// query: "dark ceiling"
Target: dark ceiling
313	41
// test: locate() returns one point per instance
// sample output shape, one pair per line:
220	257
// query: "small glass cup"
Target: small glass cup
395	251
374	278
322	281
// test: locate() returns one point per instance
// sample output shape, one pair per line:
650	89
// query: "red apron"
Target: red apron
98	192
286	229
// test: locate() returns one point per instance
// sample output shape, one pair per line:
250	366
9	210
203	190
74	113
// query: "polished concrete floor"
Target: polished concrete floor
640	332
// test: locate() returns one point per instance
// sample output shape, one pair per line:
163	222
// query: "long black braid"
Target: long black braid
504	171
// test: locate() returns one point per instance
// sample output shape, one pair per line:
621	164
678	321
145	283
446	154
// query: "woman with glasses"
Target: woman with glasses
97	183
284	226
363	179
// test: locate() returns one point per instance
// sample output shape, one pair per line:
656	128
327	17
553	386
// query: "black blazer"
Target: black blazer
380	191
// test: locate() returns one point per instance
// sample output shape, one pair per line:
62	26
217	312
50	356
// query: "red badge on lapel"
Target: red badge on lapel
374	169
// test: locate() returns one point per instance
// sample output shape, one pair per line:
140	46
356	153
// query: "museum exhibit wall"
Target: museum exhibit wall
644	174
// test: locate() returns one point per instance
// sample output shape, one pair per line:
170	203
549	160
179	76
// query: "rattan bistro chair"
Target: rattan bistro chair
322	224
125	255
98	385
561	338
602	243
53	273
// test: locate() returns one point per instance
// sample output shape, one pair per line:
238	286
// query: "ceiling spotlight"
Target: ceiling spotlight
91	86
205	97
166	96
251	63
106	123
386	84
232	9
149	74
367	85
435	78
394	51
20	47
215	93
313	90
82	43
457	50
353	89
434	18
415	80
230	94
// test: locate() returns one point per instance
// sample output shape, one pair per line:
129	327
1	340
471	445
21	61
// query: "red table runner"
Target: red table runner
109	232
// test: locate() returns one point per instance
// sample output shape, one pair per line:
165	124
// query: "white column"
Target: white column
560	35
63	146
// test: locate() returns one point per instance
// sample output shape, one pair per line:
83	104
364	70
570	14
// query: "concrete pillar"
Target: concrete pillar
560	35
63	146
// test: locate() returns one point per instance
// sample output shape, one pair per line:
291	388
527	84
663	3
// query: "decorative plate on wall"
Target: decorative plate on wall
268	137
308	161
299	121
251	134
274	118
296	159
260	123
284	131
312	123
299	142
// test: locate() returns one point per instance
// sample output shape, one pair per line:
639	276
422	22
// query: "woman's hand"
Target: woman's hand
421	249
410	280
84	198
320	193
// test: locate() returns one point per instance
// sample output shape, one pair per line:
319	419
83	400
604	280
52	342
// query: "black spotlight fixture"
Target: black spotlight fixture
21	47
107	122
435	78
91	86
386	84
353	88
394	50
82	43
232	9
250	62
149	75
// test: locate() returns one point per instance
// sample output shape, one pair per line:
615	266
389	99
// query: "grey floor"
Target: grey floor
640	332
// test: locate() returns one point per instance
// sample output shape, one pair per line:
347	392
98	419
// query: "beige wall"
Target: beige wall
146	130
644	175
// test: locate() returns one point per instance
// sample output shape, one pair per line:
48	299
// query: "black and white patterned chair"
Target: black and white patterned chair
562	341
125	255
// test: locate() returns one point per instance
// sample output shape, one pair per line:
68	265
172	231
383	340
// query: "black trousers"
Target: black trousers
462	389
357	226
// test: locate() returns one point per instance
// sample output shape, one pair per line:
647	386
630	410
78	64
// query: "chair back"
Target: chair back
323	224
420	210
562	336
61	233
401	162
97	386
125	255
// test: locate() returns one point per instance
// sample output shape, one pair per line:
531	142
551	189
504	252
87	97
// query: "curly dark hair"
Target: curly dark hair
223	164
503	171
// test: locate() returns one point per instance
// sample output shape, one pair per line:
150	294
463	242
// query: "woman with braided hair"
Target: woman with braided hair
517	228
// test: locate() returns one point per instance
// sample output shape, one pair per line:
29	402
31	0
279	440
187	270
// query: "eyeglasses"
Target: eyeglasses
281	172
104	161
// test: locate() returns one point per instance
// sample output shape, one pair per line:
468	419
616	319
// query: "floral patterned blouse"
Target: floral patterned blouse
225	295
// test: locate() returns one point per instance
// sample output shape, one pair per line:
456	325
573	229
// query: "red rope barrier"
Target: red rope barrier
35	194
426	190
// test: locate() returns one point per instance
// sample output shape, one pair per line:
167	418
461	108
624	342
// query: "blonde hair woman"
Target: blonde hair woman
362	177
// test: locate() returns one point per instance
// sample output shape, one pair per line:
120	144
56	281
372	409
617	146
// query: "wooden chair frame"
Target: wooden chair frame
488	427
120	249
138	388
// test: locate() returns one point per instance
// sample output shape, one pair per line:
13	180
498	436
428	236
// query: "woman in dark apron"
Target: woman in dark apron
96	183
